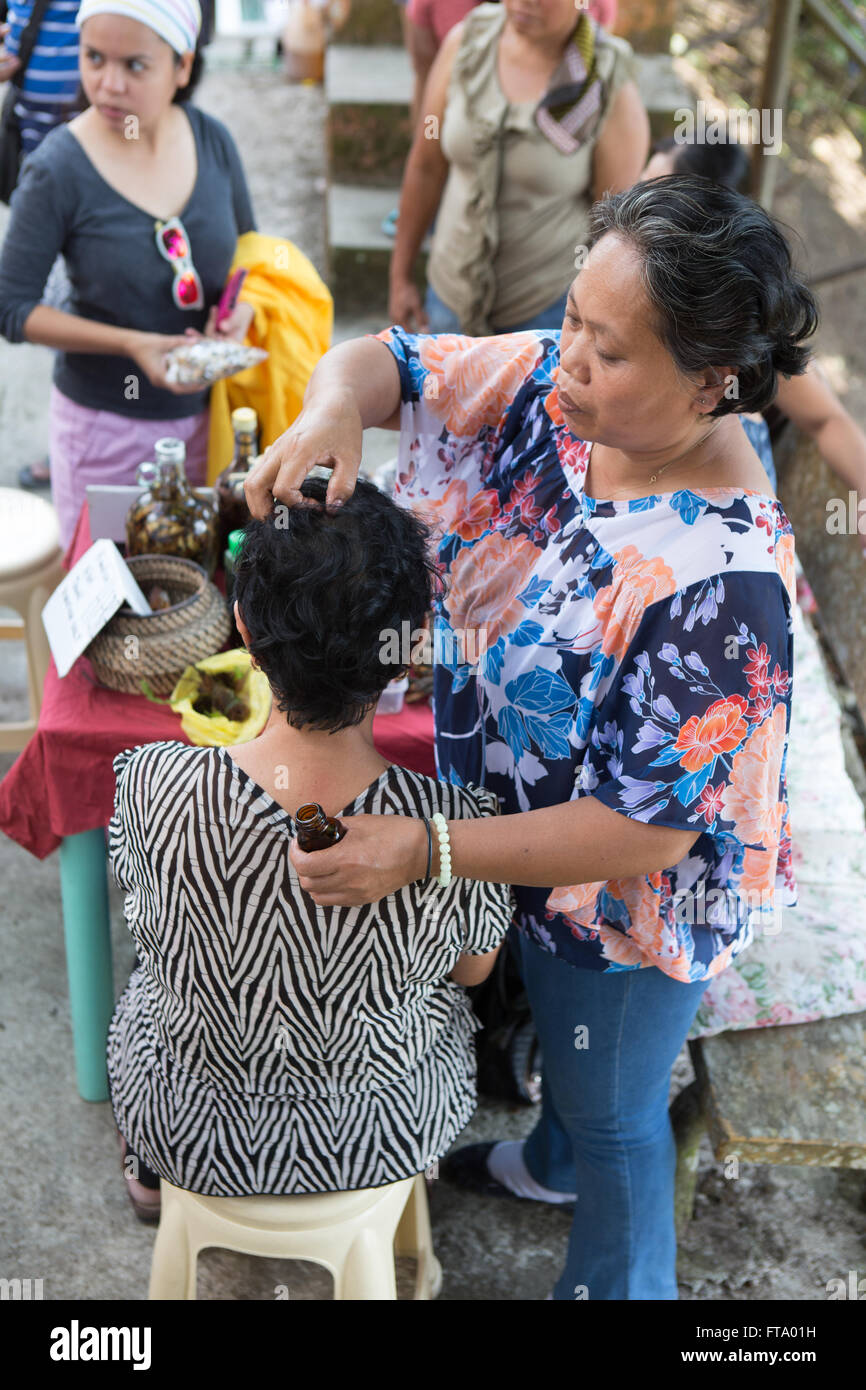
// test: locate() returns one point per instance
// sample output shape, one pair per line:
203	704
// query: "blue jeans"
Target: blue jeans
444	320
604	1130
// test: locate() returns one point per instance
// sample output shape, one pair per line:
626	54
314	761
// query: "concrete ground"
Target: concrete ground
771	1234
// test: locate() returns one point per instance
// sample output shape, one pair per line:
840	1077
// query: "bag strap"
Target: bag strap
28	40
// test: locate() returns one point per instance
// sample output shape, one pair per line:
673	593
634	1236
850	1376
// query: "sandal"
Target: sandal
146	1201
34	482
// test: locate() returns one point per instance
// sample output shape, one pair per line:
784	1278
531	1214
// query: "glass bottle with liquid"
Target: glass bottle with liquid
169	517
233	510
315	829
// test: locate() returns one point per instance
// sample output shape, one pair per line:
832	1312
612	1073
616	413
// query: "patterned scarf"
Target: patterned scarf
568	111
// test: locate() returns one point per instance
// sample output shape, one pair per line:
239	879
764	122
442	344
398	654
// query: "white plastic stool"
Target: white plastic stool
355	1235
30	569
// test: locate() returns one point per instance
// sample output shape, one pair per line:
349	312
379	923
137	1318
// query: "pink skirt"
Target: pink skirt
99	446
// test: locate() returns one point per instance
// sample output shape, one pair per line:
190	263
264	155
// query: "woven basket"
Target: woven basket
158	647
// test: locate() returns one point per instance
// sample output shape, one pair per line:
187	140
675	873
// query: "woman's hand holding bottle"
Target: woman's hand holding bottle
378	855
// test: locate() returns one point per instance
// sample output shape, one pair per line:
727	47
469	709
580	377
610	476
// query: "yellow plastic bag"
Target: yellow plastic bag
216	729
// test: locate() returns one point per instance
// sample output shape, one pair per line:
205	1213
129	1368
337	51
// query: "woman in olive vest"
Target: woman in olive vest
530	114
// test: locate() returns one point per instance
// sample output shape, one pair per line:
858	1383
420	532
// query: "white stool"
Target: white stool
30	569
355	1235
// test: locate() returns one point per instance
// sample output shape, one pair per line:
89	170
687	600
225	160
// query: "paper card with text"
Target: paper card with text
82	604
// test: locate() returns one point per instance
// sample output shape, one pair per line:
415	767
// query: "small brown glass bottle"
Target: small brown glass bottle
315	829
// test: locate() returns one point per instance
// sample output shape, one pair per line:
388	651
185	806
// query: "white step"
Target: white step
355	216
357	76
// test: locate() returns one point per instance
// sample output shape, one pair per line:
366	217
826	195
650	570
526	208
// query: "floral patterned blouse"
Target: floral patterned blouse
636	651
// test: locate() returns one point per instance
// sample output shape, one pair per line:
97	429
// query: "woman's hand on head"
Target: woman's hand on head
148	351
328	433
378	855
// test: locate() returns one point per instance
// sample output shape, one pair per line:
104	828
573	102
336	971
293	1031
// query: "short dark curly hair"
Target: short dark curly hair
319	592
718	274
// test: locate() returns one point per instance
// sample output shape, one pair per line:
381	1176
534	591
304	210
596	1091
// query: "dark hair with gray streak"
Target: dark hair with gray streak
718	273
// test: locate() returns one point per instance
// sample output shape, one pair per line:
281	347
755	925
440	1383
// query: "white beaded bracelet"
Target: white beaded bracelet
440	825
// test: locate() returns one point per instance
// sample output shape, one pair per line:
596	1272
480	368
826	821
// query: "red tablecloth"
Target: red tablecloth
63	781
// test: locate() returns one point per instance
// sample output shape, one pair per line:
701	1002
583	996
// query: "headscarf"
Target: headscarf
568	112
176	21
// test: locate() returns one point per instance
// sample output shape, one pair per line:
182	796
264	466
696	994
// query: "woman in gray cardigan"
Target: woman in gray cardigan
145	198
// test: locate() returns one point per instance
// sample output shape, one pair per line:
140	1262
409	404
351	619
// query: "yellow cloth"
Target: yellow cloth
294	314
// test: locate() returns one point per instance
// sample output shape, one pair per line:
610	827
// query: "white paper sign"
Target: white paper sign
83	602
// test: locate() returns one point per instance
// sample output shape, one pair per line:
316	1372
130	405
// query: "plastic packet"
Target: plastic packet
209	359
215	729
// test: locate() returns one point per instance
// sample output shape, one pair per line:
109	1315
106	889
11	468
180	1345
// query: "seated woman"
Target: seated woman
264	1044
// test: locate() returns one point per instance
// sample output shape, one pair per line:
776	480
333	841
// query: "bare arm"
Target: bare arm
354	386
812	404
473	970
622	148
423	181
70	333
423	48
581	841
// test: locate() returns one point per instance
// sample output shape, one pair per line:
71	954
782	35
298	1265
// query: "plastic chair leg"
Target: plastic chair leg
173	1268
413	1237
84	893
368	1270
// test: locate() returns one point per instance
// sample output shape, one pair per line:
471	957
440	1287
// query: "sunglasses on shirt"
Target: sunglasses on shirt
172	243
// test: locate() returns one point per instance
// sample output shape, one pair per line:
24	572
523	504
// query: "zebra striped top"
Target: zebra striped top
265	1044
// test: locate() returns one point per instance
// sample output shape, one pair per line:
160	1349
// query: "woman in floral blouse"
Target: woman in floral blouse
619	589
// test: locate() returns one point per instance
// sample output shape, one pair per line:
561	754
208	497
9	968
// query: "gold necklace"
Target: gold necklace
654	477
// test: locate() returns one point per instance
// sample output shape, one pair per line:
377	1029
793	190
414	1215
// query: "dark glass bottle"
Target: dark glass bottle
169	518
315	829
234	512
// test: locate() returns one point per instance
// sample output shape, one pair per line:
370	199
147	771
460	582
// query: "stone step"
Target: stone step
359	251
372	21
369	89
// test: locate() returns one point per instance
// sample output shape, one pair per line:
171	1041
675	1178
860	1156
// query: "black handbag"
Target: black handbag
10	131
507	1048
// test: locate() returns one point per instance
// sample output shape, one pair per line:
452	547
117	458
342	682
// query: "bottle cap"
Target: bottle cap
235	543
170	450
243	418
